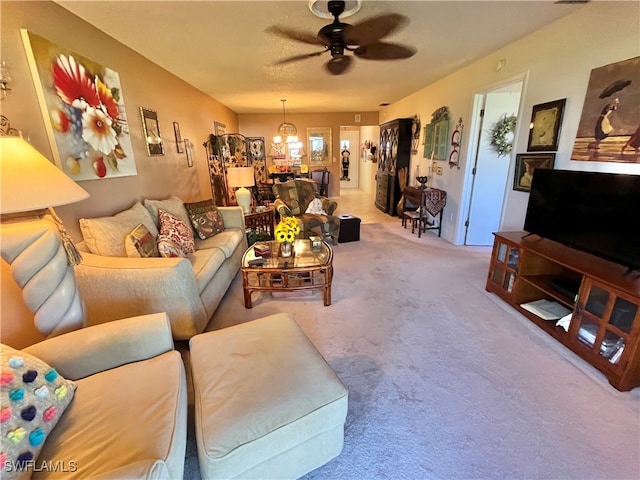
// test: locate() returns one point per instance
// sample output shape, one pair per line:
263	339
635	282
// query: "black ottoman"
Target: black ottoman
349	228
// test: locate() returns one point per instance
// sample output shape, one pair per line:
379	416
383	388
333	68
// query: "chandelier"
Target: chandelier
286	131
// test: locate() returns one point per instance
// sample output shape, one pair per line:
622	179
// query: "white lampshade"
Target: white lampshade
30	181
240	177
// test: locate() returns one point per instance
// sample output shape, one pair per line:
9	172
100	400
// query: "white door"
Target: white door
349	146
491	170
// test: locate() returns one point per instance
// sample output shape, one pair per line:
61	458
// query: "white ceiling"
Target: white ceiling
222	48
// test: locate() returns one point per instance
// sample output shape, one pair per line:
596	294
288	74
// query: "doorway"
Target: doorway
490	171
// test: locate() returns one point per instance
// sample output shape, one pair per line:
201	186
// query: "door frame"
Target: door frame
475	126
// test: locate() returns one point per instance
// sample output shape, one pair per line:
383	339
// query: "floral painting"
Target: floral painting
83	107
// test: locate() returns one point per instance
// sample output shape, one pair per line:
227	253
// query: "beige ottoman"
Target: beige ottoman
267	404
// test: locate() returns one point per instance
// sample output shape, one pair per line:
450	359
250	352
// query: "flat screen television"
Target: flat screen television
598	213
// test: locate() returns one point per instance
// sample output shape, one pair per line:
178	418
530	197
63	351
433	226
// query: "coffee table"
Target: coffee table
305	270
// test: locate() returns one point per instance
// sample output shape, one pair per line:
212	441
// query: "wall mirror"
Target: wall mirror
319	143
436	135
151	129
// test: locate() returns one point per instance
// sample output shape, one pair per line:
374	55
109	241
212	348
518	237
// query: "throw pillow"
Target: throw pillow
33	397
167	248
205	218
177	231
315	207
141	244
106	235
173	205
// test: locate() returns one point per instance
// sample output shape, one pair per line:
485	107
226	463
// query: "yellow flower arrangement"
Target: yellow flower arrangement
287	230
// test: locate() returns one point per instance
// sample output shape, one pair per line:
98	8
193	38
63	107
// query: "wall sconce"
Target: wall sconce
5	80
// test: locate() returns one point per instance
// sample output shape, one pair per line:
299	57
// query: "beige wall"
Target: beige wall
143	84
555	62
266	125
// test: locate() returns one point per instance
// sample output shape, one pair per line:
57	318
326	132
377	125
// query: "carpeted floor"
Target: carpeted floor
445	380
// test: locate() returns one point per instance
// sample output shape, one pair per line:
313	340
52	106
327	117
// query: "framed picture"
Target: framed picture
187	146
544	132
151	128
608	130
319	139
526	164
220	128
176	131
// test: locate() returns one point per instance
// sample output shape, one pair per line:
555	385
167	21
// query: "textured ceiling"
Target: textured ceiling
223	49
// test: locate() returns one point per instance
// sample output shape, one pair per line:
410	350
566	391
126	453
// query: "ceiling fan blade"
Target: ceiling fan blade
296	58
384	51
338	65
375	28
291	34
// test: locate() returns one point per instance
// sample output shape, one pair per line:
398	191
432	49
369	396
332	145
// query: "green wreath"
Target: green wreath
499	133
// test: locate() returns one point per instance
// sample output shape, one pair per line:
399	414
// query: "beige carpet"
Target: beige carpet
445	380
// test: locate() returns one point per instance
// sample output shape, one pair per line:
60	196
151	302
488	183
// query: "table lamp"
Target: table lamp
242	177
41	263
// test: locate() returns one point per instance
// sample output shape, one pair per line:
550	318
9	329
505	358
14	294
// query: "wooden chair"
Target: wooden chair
321	177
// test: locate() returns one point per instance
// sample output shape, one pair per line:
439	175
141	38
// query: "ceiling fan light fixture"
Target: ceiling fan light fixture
320	8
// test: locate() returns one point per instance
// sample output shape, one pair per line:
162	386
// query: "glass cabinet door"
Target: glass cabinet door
506	266
606	320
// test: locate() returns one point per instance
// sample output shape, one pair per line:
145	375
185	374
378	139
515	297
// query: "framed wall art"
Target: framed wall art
188	146
546	119
609	129
176	132
526	164
319	139
151	130
83	108
436	135
219	128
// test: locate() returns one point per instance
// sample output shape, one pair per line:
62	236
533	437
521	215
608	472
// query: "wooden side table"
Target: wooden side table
264	221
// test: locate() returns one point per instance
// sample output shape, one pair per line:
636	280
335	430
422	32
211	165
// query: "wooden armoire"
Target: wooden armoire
393	164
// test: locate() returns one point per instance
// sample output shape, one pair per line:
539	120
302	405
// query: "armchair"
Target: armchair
128	417
292	200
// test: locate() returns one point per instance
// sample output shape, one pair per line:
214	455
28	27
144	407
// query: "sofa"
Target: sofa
292	200
123	411
121	274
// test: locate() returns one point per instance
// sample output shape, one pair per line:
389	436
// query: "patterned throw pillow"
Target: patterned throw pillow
140	243
33	397
167	248
177	231
205	218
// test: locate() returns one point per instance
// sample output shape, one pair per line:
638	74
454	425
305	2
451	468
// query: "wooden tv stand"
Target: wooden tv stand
604	300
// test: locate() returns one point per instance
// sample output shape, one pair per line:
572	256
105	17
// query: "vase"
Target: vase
286	249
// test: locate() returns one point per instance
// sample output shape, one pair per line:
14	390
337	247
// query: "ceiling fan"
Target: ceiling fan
363	39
